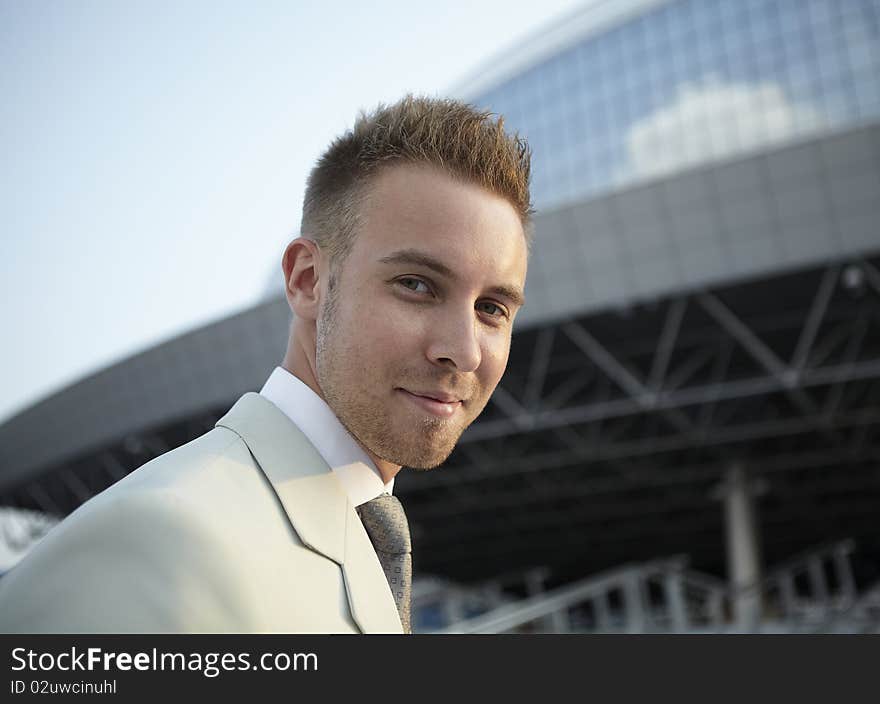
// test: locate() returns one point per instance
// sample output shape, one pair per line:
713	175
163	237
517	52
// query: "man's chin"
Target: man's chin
425	467
423	458
422	446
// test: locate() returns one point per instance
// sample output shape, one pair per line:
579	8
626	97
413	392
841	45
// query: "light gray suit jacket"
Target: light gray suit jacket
243	530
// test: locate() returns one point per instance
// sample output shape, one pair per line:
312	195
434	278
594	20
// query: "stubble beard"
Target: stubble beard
366	419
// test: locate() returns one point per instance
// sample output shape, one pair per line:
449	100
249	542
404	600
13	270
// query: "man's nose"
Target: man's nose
454	341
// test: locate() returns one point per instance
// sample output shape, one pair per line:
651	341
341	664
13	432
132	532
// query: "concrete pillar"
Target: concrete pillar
743	556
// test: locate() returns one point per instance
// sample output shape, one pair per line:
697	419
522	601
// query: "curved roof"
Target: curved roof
591	19
619	93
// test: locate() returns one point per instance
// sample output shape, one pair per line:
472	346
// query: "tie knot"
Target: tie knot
386	524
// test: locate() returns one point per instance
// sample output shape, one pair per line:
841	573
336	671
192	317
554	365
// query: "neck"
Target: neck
302	366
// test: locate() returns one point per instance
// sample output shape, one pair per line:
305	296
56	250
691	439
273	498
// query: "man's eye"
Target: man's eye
490	308
413	284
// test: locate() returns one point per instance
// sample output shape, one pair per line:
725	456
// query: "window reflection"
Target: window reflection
689	82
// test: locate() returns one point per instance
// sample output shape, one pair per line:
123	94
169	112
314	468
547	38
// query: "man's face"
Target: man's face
415	333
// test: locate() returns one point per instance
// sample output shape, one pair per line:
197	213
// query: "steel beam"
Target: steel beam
814	319
671	327
616	408
603	359
742	334
538	368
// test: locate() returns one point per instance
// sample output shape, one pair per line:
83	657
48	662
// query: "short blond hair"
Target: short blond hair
455	137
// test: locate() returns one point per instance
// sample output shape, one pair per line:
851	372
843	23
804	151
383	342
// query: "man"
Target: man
403	286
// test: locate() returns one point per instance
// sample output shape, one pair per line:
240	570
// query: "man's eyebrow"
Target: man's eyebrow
515	295
415	257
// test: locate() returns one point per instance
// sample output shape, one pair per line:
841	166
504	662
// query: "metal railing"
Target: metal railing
666	596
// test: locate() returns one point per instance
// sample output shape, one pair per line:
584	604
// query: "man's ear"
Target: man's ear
301	264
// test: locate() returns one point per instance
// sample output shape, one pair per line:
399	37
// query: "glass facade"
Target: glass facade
689	82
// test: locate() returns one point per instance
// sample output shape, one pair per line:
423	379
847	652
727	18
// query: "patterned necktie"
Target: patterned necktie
386	524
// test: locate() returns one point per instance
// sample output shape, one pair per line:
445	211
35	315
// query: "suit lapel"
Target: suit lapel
317	507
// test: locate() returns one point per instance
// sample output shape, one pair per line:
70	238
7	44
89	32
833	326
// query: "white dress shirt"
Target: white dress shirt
311	414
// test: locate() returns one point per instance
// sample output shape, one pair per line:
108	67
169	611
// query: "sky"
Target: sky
155	153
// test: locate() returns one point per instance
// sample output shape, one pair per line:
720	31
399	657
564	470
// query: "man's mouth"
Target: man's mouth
436	403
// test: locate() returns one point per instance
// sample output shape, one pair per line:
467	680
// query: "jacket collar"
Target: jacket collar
317	507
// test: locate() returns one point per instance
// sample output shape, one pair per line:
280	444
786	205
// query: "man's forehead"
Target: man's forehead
424	195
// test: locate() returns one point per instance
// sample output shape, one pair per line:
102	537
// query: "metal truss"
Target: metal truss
667	392
629	417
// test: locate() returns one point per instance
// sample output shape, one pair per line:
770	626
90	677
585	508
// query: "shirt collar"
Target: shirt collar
311	414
